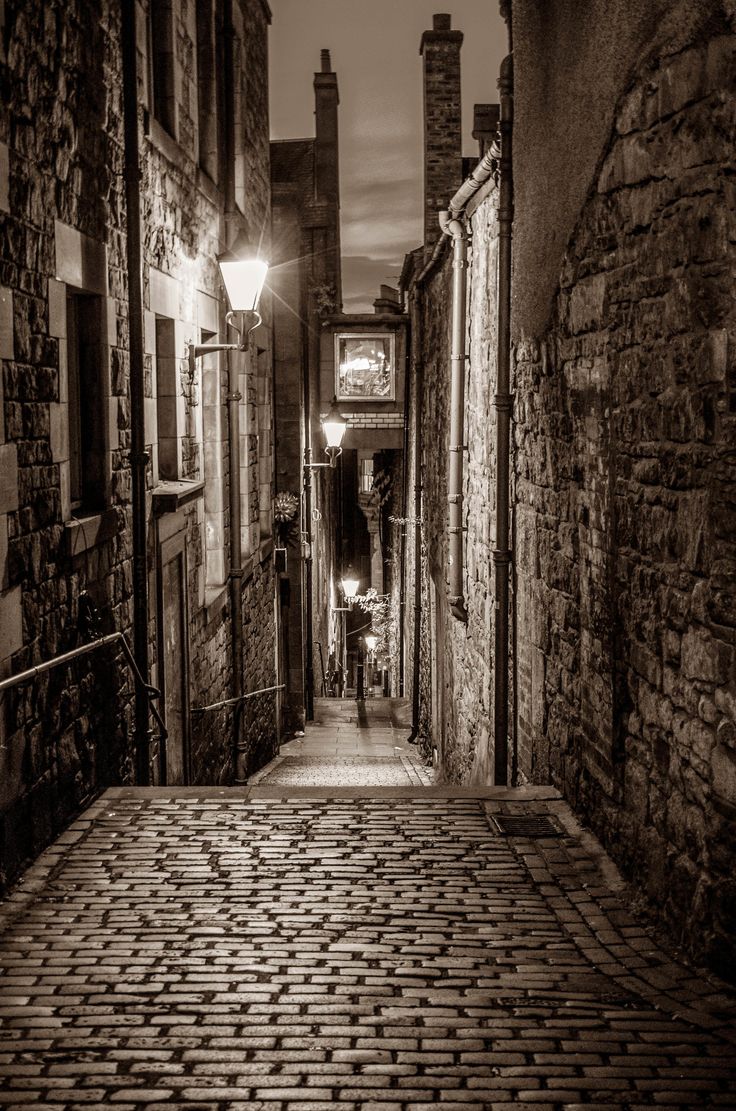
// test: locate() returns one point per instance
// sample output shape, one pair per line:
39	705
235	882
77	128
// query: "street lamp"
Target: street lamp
370	642
243	279
349	585
334	426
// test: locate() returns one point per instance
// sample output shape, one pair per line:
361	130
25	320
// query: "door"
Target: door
173	657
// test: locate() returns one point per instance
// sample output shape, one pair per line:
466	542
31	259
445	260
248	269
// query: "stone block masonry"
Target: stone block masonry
65	571
625	485
456	659
64	182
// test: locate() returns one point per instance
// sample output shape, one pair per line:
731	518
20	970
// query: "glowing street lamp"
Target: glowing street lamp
243	279
334	426
371	640
350	586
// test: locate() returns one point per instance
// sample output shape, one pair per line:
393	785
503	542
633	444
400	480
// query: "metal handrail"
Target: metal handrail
235	701
83	650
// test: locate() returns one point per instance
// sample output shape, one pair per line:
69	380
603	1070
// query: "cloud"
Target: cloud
362	275
382	215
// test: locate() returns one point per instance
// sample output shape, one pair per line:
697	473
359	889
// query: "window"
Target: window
214	433
161	82
366	475
169	401
87	401
207	70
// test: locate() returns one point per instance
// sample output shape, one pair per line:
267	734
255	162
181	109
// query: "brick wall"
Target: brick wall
440	50
624	440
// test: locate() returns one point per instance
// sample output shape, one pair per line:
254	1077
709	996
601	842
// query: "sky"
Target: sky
374	45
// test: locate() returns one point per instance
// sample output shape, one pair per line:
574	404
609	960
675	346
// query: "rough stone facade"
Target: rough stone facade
622	622
624	487
455	723
66	563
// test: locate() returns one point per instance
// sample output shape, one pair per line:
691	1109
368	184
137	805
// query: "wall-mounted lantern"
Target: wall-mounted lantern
243	279
350	586
334	426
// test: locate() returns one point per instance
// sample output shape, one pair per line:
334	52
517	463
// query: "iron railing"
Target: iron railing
235	701
150	691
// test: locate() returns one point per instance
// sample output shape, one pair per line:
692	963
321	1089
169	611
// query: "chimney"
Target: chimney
485	125
443	172
388	301
326	100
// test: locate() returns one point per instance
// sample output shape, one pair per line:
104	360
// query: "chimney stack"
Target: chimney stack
388	301
326	100
485	125
443	163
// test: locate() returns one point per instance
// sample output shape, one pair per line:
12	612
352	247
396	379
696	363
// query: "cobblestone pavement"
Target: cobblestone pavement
350	743
380	950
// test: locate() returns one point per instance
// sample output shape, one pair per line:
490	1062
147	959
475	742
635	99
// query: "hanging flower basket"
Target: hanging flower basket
285	512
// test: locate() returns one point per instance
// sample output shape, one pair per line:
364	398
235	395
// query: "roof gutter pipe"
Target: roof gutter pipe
503	401
138	453
452	223
456	230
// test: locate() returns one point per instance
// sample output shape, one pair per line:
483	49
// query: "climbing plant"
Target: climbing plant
378	607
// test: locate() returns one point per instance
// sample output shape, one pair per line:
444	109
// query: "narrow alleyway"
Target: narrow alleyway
285	947
351	743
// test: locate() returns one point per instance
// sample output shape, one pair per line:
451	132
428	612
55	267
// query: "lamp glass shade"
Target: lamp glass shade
334	425
350	587
371	641
243	280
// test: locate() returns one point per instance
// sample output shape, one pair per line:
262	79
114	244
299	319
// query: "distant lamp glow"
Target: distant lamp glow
350	586
371	640
243	278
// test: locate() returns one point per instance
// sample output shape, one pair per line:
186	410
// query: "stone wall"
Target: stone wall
456	658
66	735
65	571
625	490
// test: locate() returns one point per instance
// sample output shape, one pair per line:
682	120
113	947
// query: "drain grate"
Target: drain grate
526	825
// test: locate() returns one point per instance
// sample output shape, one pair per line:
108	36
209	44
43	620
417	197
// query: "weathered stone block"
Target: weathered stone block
705	658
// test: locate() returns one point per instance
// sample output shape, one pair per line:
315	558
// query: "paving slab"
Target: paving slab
216	949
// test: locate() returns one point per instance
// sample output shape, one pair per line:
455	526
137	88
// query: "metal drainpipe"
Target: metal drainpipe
456	229
405	524
502	403
138	455
233	399
235	574
417	616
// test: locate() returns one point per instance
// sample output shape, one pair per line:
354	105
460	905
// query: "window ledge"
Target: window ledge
170	496
81	534
215	600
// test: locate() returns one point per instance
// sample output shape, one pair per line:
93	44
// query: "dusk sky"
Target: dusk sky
374	46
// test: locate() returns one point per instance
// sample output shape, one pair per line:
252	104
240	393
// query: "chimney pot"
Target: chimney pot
326	62
441	22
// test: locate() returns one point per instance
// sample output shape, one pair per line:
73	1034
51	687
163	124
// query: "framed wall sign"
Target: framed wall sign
365	366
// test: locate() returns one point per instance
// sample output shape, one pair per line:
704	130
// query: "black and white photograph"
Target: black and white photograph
367	555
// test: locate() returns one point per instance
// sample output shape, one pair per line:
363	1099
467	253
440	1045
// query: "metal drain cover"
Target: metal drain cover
526	825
